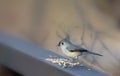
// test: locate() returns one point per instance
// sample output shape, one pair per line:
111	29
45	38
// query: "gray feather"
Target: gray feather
94	53
73	47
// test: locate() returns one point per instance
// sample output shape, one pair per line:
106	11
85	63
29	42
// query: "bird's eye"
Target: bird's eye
62	43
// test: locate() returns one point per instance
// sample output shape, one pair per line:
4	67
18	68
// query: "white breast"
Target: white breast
68	53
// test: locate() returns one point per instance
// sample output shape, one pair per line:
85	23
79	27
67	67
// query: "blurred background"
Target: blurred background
93	24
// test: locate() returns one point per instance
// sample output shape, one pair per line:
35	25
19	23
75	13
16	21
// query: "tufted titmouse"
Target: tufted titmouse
73	51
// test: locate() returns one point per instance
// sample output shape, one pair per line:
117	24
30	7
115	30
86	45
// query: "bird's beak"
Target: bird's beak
58	44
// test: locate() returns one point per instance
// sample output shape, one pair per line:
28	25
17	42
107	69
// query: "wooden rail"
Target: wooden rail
28	59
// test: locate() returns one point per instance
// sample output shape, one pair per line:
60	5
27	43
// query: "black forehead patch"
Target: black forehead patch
59	43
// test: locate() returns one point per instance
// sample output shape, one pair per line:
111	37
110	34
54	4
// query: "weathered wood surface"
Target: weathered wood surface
29	59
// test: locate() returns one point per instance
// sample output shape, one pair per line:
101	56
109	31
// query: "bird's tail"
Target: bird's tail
94	53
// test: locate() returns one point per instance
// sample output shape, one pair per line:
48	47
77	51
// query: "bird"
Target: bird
73	51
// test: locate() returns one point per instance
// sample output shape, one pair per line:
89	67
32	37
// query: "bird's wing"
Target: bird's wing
76	49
